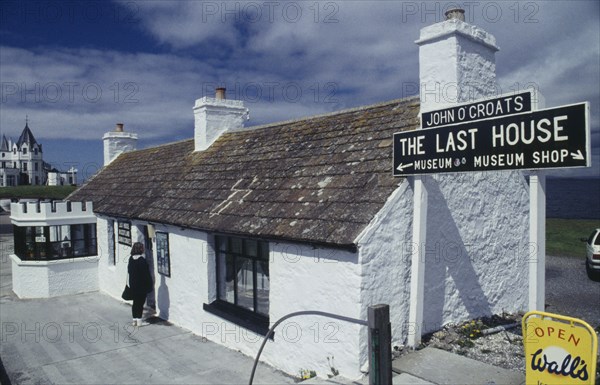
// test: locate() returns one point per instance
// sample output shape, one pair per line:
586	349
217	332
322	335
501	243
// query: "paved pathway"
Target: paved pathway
87	339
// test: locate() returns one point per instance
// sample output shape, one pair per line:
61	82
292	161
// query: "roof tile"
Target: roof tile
320	179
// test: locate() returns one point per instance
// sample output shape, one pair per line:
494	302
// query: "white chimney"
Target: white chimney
456	62
215	116
117	142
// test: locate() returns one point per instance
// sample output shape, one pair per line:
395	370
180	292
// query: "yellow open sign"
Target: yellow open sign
558	350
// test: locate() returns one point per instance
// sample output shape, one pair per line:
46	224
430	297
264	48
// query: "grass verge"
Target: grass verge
563	236
36	192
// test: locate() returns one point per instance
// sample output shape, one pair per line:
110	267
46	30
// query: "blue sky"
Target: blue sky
76	68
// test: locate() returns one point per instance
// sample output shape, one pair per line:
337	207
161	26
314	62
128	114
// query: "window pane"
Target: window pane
236	245
222	244
226	279
79	248
92	248
262	287
65	233
251	248
54	233
56	250
264	251
91	231
245	284
76	232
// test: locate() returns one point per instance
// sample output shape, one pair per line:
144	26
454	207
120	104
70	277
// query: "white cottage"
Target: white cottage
247	224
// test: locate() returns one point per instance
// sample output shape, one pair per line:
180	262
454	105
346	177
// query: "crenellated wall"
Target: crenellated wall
49	278
51	213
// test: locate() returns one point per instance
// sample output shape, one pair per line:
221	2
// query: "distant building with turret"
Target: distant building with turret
21	161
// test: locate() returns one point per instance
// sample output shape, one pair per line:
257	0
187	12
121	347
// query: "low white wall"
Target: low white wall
385	255
43	279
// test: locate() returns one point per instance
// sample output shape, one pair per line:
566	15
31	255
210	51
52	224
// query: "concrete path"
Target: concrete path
444	368
88	339
398	379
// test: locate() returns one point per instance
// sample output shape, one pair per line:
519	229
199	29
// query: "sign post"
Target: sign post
537	242
417	268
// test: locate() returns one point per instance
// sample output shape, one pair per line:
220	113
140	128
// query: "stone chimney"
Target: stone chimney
456	62
215	116
117	142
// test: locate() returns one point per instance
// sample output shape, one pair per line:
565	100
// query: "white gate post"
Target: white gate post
417	270
537	241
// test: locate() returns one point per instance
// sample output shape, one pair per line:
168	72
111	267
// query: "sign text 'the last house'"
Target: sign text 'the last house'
551	138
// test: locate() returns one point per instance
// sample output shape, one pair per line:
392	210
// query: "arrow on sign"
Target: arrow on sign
401	166
578	156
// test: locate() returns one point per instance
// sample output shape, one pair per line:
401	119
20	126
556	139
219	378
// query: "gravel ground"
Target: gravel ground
504	349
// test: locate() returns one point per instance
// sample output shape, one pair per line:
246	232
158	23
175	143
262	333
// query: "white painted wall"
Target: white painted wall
302	278
477	250
27	214
385	249
213	117
112	277
456	64
43	279
116	143
476	255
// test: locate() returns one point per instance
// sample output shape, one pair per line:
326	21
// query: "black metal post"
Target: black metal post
380	345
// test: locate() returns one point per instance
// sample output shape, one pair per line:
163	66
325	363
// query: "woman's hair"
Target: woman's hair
137	249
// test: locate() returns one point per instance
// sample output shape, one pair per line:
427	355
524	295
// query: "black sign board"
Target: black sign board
163	259
124	233
508	104
551	138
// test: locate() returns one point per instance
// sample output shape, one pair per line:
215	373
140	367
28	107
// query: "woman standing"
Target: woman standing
139	281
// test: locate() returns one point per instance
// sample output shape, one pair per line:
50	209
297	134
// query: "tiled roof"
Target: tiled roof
26	137
320	179
4	144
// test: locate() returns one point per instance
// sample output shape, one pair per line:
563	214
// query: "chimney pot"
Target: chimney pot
119	127
455	13
220	93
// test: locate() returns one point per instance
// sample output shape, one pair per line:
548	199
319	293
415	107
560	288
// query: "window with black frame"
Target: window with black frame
55	242
243	273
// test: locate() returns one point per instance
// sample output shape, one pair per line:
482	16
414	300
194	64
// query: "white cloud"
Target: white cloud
337	54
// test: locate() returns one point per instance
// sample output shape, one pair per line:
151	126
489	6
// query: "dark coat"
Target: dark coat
140	280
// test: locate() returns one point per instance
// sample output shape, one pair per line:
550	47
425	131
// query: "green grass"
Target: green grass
563	236
36	192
